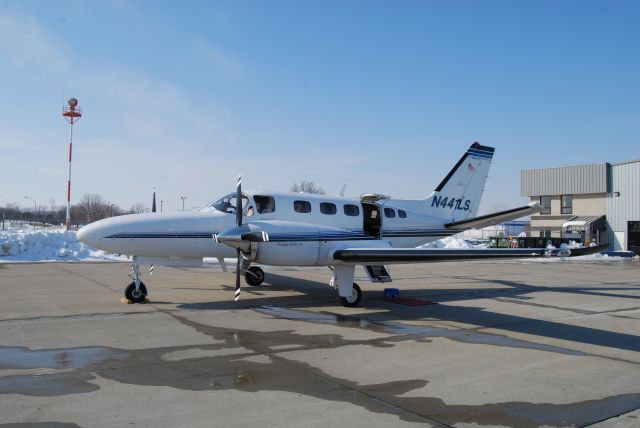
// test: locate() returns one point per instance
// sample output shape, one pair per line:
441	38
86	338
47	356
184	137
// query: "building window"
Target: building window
328	208
265	204
545	233
389	213
545	201
567	204
302	206
402	214
352	210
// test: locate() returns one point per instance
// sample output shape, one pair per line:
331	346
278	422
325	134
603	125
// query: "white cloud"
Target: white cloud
221	61
24	42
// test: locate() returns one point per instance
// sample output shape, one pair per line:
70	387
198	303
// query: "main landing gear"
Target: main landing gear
136	291
353	300
254	276
349	293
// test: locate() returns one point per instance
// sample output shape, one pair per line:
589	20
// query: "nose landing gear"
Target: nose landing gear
136	291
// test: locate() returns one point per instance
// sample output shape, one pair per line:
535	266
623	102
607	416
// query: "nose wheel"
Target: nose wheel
135	292
254	276
135	295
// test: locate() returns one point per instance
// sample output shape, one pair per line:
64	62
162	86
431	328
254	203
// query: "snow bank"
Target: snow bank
49	245
589	257
453	242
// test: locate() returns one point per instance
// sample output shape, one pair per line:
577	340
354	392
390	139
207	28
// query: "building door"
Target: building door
633	236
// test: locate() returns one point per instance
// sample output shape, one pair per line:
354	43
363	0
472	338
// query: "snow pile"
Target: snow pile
453	242
588	257
47	245
571	245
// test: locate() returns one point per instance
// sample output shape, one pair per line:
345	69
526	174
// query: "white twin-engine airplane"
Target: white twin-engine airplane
298	229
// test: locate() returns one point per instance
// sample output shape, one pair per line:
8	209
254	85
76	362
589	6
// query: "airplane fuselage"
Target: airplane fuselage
304	229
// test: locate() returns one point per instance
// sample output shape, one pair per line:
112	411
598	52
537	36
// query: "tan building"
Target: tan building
574	201
590	203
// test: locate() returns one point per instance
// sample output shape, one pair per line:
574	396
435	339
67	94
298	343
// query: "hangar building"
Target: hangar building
592	203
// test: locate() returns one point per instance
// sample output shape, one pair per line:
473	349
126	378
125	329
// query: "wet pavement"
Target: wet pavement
507	344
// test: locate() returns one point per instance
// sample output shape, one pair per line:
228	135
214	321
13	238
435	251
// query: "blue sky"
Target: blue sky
382	96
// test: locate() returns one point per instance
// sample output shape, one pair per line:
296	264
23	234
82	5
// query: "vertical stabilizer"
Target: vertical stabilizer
457	197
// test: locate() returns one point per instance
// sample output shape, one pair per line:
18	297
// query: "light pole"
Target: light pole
34	207
72	113
183	198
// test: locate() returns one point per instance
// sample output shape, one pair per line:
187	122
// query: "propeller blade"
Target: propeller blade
238	278
255	236
239	202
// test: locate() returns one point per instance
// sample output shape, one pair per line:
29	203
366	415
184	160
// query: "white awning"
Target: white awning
581	221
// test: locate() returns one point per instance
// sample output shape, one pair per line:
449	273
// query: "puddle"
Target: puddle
40	425
460	335
50	385
257	362
25	358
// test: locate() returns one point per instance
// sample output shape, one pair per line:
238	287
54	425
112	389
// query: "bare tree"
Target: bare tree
138	208
307	187
92	208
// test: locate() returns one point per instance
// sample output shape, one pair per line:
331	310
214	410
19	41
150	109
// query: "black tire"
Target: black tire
354	300
254	276
130	292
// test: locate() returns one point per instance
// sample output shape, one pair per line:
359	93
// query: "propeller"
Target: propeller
238	224
241	236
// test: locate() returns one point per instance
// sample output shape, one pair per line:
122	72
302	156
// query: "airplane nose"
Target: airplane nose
90	234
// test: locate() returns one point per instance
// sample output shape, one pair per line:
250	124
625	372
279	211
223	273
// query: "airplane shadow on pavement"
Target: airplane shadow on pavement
315	294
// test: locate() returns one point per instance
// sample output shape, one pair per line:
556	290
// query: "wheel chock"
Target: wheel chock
126	301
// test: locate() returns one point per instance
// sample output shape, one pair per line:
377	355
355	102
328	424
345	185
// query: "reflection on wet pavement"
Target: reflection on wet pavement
23	358
252	361
460	335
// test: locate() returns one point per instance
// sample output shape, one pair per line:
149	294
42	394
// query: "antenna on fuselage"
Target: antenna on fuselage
341	194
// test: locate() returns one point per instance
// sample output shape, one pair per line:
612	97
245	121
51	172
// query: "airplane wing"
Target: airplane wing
418	255
495	218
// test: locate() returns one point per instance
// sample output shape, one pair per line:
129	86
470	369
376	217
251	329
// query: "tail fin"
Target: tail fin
457	197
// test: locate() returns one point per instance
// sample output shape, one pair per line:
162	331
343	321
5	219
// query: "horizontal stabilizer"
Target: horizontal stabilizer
495	218
417	255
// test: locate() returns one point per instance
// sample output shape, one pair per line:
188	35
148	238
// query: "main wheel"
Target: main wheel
136	296
254	276
353	300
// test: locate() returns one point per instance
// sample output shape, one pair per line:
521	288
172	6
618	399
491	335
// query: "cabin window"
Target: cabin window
389	212
545	201
302	206
402	214
265	204
351	210
567	204
328	208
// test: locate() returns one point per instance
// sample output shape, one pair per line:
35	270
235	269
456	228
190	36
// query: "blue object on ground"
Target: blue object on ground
391	292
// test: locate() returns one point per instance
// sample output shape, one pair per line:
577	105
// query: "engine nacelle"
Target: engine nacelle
305	244
290	243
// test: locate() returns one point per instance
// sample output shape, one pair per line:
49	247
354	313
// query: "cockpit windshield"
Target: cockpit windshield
226	204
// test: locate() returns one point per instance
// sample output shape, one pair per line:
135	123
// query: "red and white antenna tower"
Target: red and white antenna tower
72	113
